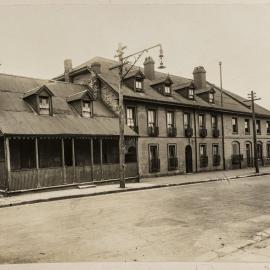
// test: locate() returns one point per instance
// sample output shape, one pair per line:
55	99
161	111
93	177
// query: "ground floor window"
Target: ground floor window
172	157
268	150
68	152
203	155
22	154
259	151
50	153
131	155
154	163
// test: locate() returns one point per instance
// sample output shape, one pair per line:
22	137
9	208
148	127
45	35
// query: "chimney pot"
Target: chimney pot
67	69
199	76
149	68
96	67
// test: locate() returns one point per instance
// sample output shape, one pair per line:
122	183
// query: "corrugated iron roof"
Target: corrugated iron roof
17	117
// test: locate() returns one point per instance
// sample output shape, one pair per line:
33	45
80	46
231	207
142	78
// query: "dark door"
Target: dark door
153	159
248	153
188	154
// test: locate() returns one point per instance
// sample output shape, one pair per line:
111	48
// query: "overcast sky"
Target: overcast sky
36	37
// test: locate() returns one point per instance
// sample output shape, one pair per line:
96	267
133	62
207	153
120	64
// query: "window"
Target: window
247	126
172	157
170	119
151	118
187	122
211	97
86	109
214	121
259	150
234	125
203	150
201	121
167	89
268	127
258	126
191	93
215	150
268	150
154	164
236	148
131	121
138	85
44	107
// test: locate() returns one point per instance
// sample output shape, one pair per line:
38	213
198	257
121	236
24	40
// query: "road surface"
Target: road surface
201	222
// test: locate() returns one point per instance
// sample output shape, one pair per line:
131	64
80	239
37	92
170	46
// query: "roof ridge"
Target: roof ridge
21	76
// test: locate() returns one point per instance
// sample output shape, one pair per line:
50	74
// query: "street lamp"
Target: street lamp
123	60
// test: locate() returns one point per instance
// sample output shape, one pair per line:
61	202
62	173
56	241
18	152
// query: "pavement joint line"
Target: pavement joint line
154	186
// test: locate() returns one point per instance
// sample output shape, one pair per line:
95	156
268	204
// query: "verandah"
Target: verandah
36	162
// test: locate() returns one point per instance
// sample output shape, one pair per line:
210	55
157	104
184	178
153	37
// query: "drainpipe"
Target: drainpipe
195	134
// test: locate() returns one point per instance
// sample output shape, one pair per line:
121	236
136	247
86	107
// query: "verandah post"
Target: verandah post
92	158
63	161
73	160
101	157
37	161
7	162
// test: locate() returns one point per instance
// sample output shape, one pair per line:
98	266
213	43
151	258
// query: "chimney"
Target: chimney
96	67
149	68
68	68
199	77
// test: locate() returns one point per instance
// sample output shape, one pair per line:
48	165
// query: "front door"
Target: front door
188	155
248	154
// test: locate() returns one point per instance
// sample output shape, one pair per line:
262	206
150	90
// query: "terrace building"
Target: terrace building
178	120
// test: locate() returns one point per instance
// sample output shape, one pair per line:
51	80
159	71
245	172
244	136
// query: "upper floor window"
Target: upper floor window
258	126
44	105
191	93
86	109
214	121
170	119
167	89
131	120
138	85
187	120
152	121
268	127
234	125
201	121
247	126
211	97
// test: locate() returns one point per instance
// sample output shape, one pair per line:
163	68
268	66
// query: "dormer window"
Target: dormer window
211	97
191	93
40	99
82	102
138	85
44	106
86	109
167	89
134	80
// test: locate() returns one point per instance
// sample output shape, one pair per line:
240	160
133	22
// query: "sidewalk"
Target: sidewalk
147	183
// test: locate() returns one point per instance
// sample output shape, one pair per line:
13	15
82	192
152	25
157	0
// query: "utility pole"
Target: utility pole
222	116
121	62
252	97
119	55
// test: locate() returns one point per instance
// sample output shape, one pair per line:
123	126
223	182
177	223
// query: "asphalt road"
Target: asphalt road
183	223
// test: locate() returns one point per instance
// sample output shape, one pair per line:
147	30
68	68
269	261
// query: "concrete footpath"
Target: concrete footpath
147	183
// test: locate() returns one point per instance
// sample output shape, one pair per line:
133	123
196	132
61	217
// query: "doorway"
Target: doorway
188	155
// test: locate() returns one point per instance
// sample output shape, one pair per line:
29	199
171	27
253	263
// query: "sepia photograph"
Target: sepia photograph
135	134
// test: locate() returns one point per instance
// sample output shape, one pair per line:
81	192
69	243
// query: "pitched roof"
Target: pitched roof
79	95
36	91
231	102
18	118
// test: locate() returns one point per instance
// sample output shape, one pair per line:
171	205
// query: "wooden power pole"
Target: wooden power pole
252	97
